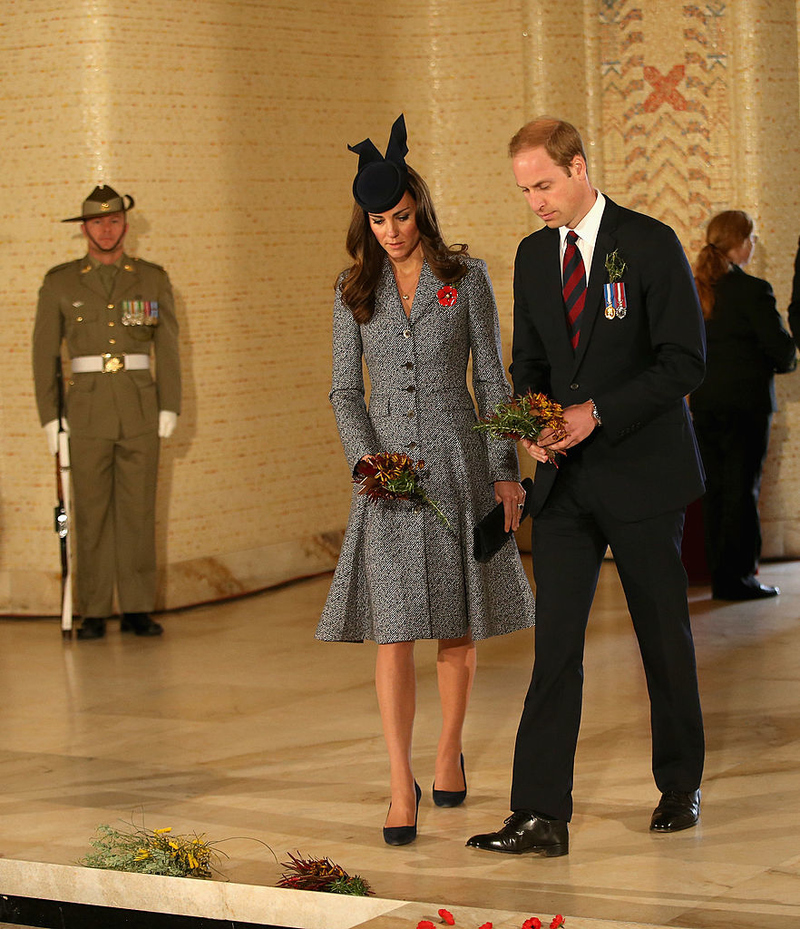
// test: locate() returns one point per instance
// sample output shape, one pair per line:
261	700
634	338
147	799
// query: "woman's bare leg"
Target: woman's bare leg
395	684
455	668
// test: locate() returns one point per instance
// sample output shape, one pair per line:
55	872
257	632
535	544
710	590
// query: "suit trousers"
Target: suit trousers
733	446
115	502
569	540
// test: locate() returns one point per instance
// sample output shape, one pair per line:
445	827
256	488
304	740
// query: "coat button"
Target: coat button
410	414
411	388
110	306
78	319
111	323
406	333
411	445
574	386
410	365
112	341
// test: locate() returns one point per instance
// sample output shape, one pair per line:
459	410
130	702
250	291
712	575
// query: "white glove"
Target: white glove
51	434
167	420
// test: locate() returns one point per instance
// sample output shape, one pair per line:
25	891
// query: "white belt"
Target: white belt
109	364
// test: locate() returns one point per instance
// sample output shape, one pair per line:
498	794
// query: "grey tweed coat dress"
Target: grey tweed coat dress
401	574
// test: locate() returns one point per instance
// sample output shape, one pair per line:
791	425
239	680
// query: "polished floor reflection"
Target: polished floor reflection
238	724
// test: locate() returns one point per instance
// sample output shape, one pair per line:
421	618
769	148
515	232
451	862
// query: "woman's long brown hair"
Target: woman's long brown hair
725	232
358	288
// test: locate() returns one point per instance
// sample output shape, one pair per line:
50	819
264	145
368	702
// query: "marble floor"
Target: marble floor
237	724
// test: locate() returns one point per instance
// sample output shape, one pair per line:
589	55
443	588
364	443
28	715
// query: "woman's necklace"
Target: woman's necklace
408	285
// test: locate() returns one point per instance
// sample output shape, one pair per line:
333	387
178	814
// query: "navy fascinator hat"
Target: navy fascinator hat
381	181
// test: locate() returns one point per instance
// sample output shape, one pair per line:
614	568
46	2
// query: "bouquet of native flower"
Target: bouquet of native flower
394	476
525	418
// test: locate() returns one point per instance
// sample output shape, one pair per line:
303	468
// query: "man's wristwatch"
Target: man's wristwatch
595	414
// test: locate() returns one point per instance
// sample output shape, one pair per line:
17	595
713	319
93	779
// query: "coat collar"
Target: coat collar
425	299
127	277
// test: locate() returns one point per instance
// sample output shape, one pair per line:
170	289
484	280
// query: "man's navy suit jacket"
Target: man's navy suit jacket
643	460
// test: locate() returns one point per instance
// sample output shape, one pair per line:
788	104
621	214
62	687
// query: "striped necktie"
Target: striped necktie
574	287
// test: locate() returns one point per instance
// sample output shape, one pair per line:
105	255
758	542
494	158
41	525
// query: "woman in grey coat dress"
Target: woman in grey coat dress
415	310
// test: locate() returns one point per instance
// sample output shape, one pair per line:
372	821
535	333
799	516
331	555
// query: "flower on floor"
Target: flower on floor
152	851
532	922
322	874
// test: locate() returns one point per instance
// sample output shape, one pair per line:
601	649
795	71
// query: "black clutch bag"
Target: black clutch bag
489	535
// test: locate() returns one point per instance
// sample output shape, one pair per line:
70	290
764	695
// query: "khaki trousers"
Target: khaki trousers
115	501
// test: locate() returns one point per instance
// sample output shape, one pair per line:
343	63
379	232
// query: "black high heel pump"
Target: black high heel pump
451	797
403	835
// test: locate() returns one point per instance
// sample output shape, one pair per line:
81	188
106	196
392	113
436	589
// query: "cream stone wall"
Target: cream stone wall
228	120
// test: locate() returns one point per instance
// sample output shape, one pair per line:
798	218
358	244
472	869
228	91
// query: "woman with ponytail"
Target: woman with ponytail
732	409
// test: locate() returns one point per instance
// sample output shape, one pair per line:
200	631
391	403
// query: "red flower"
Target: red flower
557	921
447	295
425	924
485	926
447	917
533	923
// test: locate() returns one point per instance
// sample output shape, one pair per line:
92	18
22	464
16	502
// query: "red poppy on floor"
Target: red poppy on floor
485	926
447	917
557	921
425	924
533	923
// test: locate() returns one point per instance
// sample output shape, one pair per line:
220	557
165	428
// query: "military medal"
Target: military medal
614	292
615	300
139	312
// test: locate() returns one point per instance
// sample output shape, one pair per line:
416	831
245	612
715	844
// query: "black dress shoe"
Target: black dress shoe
747	589
524	832
676	811
403	835
451	797
93	627
140	623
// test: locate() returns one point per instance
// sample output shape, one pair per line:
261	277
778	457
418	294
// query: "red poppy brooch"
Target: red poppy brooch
447	295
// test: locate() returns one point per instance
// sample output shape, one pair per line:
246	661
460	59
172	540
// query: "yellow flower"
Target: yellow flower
162	830
142	854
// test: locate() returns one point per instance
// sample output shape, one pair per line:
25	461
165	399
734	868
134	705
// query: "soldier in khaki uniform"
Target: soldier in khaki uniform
110	309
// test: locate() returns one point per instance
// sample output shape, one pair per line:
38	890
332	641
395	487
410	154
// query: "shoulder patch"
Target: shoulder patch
62	267
147	264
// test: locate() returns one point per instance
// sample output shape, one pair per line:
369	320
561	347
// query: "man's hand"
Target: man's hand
579	423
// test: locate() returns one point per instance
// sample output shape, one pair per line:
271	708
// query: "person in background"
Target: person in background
111	310
733	407
416	310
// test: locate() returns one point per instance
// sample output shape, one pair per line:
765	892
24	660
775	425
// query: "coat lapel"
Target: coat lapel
90	279
127	278
425	299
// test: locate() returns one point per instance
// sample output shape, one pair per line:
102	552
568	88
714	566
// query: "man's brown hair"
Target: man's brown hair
560	139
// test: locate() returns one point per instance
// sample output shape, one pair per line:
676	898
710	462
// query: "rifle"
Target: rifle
62	513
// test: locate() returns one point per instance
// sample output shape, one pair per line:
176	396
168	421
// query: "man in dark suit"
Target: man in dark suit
609	325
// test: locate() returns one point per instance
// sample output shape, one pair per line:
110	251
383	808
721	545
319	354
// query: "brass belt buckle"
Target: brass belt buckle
112	363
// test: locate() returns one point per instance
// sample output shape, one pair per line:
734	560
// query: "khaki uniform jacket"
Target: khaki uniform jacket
73	306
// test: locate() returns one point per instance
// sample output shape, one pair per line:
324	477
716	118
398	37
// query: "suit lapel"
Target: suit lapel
598	276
